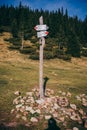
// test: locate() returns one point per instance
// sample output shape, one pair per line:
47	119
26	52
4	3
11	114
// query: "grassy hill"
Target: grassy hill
18	72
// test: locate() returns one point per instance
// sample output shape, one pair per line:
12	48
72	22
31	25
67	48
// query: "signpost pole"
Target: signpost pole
42	42
41	33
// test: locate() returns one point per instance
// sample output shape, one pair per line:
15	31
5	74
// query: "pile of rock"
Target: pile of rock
31	108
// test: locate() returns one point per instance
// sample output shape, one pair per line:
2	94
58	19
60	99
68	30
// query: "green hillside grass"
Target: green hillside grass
62	75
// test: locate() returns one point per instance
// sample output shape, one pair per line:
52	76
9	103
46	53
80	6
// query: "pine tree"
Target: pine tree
14	28
22	19
73	46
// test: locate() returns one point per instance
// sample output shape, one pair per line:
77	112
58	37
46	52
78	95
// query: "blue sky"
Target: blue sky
75	7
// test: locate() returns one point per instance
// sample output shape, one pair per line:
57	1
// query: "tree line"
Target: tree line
67	35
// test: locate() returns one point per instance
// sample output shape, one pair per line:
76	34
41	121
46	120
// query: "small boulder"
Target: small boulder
33	119
17	93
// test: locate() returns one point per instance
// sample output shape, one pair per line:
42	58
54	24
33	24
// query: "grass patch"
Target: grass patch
3	82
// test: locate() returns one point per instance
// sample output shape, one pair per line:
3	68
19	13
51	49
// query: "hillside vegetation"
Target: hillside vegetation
67	35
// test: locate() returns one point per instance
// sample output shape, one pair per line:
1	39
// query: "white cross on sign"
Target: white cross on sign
43	27
42	34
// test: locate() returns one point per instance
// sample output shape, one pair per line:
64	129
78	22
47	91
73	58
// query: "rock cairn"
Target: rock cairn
30	108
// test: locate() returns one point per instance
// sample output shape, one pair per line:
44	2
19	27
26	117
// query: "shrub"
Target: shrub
33	40
15	41
37	45
57	52
51	42
48	55
14	47
34	56
67	57
84	52
28	50
27	36
4	29
48	48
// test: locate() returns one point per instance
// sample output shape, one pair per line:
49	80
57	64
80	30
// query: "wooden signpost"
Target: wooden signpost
41	33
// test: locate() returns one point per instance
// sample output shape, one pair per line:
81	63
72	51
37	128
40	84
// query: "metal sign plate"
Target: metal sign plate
43	27
42	34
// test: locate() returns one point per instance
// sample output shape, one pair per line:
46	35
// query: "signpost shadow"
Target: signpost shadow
44	84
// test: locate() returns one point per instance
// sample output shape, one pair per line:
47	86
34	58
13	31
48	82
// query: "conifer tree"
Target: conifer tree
14	28
73	46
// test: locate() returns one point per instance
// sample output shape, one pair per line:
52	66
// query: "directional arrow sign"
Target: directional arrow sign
42	34
43	27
